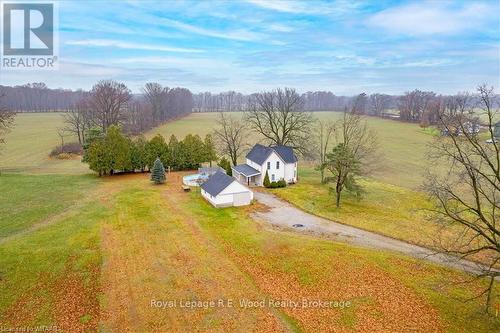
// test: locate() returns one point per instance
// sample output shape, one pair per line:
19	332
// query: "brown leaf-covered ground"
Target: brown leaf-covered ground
158	243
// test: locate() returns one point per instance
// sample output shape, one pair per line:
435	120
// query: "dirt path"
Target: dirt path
284	215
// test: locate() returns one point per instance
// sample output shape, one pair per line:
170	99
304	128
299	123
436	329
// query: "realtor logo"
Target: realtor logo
28	35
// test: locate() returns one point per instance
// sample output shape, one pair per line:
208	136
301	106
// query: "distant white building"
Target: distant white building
279	162
222	190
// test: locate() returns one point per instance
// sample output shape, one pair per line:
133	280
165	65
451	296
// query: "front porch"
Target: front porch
247	175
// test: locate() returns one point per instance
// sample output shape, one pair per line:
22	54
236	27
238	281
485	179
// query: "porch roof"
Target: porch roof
246	170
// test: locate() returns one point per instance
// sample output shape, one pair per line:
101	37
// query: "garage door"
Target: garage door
241	199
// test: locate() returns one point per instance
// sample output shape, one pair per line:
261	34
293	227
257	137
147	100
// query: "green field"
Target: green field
89	253
29	144
402	145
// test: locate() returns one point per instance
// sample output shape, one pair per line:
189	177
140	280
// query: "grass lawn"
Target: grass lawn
30	142
100	267
28	145
28	200
402	145
386	209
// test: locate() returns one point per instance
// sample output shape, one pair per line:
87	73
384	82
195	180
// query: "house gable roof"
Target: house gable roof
246	170
217	183
286	153
260	153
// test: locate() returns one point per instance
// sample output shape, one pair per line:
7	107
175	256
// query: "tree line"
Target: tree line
112	103
232	101
37	97
113	152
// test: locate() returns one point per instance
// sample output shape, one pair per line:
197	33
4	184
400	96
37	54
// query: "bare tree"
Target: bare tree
6	120
413	104
77	119
468	194
230	137
155	95
325	131
279	116
354	154
108	102
378	104
360	104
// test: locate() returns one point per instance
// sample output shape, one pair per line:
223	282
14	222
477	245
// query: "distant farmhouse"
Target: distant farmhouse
279	162
222	190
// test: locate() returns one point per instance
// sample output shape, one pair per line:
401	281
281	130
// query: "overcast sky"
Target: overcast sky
346	47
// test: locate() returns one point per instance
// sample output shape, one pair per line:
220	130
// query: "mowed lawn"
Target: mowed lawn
402	146
383	208
30	142
132	244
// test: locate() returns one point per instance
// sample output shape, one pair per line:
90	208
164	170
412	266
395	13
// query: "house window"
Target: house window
273	178
268	165
277	164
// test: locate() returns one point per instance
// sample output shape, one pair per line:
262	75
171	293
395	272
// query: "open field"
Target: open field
130	242
30	142
402	145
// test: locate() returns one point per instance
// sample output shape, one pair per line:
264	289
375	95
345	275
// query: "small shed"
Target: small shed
222	190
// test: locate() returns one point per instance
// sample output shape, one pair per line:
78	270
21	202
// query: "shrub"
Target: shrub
278	184
68	148
267	183
281	183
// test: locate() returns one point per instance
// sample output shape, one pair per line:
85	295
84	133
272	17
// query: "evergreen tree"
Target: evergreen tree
158	172
92	134
209	150
173	150
226	165
157	148
344	167
139	156
267	183
119	149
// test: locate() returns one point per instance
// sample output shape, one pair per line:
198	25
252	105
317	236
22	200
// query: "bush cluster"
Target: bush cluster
67	148
278	184
269	184
115	152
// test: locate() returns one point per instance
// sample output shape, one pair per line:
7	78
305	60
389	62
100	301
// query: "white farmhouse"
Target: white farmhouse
222	190
279	161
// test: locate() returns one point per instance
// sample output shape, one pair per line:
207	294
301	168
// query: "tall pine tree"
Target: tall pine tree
158	172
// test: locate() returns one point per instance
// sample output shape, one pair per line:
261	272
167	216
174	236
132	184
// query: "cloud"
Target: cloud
436	17
235	34
280	27
305	7
130	46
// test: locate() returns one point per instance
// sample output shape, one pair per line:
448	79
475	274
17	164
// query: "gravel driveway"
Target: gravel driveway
284	215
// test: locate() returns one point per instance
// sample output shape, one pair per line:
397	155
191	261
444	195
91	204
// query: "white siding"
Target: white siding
278	173
291	172
286	171
226	197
